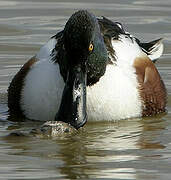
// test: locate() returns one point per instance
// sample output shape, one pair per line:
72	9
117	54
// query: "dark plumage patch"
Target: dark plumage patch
73	42
110	30
78	34
72	47
148	46
15	89
59	55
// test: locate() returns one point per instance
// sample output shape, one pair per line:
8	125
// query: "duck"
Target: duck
91	70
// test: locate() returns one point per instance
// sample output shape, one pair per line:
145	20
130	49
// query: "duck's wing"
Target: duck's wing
153	49
151	87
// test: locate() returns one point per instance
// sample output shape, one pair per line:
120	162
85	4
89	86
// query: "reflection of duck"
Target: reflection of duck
118	77
113	149
102	149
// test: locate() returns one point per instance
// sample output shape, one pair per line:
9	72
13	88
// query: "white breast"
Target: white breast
43	86
115	96
42	93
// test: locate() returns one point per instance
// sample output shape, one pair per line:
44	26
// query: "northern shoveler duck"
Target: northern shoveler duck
92	69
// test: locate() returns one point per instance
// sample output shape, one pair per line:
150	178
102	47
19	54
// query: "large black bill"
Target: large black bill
73	104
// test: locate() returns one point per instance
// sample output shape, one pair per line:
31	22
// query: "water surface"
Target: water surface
129	149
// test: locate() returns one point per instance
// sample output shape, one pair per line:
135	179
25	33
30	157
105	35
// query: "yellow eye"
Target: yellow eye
90	47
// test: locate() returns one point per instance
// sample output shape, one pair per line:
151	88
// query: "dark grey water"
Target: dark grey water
130	149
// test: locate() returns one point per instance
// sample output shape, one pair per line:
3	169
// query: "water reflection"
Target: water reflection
111	150
100	150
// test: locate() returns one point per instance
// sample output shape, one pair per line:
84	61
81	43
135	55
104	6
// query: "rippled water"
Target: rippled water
129	149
